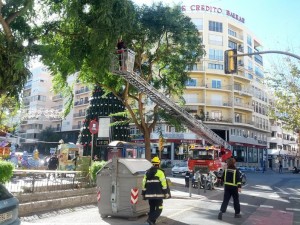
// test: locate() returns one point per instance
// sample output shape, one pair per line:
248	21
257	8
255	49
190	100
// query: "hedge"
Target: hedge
96	166
6	171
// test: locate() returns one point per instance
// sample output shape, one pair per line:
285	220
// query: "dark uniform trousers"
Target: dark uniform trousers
228	192
156	207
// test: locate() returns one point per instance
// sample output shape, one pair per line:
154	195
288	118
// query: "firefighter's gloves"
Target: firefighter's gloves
167	196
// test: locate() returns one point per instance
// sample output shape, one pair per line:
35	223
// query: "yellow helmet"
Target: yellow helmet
155	160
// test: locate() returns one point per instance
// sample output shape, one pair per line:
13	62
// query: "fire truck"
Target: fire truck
207	158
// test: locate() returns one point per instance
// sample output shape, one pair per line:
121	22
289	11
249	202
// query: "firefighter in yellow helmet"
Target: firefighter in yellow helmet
232	186
155	189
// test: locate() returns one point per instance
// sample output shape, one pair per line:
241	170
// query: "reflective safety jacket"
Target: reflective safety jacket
232	177
154	184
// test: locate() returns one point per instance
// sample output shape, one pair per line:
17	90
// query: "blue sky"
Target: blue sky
275	22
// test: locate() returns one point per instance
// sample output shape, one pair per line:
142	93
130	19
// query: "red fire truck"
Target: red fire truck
207	158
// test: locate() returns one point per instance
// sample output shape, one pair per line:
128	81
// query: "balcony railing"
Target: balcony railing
81	103
219	87
243	105
79	114
84	90
76	127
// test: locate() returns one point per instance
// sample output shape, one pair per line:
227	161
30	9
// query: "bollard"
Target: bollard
205	184
199	184
190	186
211	181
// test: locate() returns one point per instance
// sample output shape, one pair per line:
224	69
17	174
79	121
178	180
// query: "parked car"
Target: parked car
9	208
179	169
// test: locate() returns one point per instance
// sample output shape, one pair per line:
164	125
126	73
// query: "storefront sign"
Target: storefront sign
212	9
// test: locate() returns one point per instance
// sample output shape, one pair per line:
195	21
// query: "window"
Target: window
215	26
215	39
249	40
216	115
232	45
252	155
238	117
215	54
216	84
232	32
237	86
191	82
198	23
190	98
215	66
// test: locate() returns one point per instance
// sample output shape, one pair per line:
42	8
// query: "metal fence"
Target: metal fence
29	181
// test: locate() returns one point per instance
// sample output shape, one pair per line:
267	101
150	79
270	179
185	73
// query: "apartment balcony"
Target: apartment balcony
78	103
210	102
218	120
28	86
57	97
243	121
76	127
218	87
195	101
79	115
243	91
242	75
199	85
81	91
245	106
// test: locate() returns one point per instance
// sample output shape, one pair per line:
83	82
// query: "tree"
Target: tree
15	19
48	139
8	109
285	82
103	104
166	43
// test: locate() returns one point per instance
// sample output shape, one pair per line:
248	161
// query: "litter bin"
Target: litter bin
119	185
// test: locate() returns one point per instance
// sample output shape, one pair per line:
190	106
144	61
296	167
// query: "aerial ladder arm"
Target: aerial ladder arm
169	105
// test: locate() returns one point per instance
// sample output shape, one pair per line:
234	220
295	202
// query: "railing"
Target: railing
29	181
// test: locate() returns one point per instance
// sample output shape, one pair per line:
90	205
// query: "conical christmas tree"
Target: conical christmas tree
101	105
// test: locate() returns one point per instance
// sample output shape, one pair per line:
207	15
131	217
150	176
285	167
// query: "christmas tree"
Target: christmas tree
102	104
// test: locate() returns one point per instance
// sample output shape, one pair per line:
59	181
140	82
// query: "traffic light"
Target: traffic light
160	144
230	61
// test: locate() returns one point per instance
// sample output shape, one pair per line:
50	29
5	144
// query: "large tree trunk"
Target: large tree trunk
147	144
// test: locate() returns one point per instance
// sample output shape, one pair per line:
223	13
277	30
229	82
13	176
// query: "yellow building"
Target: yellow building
232	105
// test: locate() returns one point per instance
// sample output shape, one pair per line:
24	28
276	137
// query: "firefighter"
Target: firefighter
232	186
155	189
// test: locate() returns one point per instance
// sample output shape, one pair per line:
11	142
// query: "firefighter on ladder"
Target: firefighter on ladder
155	189
121	51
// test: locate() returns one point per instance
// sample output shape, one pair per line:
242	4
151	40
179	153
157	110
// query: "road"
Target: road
267	199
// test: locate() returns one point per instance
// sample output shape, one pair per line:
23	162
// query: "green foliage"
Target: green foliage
96	166
8	108
47	135
285	83
6	171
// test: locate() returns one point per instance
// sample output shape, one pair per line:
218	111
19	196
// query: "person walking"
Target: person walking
280	167
232	186
155	189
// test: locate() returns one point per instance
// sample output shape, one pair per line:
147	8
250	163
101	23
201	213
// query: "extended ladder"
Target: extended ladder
167	104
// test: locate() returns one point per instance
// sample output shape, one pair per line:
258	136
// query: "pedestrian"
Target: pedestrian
232	186
96	158
187	178
280	167
53	163
75	159
155	189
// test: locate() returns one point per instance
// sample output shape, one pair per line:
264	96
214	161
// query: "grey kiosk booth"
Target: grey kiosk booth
119	185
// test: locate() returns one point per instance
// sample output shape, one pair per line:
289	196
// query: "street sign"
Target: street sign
101	142
93	127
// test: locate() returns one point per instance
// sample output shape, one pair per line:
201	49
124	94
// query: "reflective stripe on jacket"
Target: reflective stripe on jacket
154	184
232	177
